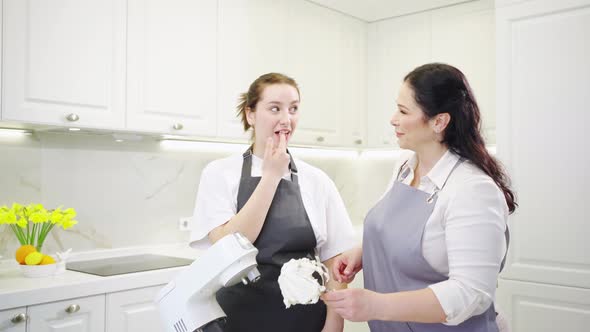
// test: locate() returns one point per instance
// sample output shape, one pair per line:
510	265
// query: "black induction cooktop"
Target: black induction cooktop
127	264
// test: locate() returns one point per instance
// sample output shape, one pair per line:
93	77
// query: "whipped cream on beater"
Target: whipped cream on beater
297	284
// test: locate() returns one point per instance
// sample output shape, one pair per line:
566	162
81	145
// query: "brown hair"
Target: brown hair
441	88
250	99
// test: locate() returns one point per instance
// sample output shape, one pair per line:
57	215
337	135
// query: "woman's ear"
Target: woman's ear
440	123
250	116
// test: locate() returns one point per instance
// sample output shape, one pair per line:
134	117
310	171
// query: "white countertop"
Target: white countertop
18	291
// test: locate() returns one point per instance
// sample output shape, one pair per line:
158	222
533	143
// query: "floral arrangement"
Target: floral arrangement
32	223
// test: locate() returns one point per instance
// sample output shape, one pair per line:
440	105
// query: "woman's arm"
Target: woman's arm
334	322
363	305
250	219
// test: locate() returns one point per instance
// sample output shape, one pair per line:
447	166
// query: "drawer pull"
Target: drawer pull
18	318
358	141
178	126
73	117
320	139
73	308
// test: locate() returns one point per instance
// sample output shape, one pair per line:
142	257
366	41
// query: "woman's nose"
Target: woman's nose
394	120
285	118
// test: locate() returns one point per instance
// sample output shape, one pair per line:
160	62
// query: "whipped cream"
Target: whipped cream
297	284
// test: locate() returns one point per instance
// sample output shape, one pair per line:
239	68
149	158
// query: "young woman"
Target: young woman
285	207
434	244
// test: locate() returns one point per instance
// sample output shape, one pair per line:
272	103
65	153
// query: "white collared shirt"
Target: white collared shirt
217	201
464	236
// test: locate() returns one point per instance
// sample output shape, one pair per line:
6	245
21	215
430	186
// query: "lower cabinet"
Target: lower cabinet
79	314
13	320
133	310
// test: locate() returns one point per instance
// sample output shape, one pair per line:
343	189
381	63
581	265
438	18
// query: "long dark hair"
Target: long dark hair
440	88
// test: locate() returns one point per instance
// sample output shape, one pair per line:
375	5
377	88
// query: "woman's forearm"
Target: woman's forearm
412	306
250	219
334	322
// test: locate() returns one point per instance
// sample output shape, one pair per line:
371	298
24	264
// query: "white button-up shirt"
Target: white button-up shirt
464	236
217	203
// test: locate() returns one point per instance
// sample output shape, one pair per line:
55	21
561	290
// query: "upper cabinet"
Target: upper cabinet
395	47
171	66
251	42
462	36
64	62
324	51
326	54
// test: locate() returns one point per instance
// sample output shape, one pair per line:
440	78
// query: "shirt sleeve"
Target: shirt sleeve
474	235
214	206
340	234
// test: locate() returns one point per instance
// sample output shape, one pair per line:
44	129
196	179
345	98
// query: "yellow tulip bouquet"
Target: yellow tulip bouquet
31	224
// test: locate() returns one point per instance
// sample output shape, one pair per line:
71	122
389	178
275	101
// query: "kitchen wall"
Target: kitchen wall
133	193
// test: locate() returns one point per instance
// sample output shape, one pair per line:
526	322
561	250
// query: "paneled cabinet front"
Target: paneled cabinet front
13	320
133	310
172	56
326	54
64	62
80	314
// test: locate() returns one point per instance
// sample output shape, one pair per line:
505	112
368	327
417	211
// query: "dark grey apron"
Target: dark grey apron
393	260
286	234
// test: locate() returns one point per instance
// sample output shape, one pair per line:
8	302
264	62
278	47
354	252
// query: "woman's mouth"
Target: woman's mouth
278	134
398	134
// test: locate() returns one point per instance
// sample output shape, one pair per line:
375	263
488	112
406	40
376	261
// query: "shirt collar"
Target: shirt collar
443	167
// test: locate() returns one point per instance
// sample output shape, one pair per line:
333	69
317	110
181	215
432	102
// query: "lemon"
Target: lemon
34	258
47	260
24	251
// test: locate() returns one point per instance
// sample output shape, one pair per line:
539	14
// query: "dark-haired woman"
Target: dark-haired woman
434	244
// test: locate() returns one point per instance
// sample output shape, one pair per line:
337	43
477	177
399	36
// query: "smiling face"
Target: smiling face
412	128
276	112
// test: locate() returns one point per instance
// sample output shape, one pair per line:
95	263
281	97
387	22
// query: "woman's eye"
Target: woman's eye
274	109
402	112
294	109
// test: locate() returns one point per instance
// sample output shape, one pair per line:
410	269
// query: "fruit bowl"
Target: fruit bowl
37	271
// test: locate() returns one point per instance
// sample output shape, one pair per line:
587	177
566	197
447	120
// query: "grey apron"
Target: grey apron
286	234
393	260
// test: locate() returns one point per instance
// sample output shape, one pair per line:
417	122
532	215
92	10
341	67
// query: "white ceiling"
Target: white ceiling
374	10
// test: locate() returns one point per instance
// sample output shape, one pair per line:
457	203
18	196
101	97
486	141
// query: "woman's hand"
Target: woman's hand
276	159
353	304
347	264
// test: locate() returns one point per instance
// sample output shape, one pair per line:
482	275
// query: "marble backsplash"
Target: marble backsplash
133	193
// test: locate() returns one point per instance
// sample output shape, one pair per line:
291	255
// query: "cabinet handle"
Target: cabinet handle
73	117
178	126
320	138
18	318
358	141
73	308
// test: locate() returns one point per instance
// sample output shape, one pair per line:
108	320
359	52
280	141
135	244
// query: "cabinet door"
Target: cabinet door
251	43
542	84
13	320
463	36
81	314
543	308
326	55
171	79
64	62
133	310
396	46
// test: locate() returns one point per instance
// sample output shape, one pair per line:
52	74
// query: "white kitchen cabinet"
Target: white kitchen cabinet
542	83
13	320
251	43
464	36
64	62
171	78
80	314
133	310
542	307
326	54
396	46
